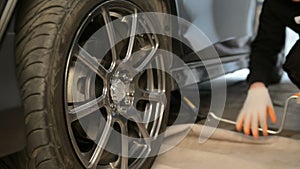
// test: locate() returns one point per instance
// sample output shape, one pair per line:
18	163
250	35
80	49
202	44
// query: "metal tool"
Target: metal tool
295	96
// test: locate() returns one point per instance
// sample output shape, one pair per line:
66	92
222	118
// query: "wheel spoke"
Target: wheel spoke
86	109
151	48
125	144
144	56
94	160
111	34
158	117
91	63
139	150
143	130
147	60
137	117
132	34
154	95
153	113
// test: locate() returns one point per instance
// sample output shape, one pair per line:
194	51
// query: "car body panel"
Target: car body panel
219	20
7	11
12	123
229	25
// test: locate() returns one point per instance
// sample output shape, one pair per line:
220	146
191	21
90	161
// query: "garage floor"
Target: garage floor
229	149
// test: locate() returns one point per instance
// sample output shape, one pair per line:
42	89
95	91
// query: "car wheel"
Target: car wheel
86	107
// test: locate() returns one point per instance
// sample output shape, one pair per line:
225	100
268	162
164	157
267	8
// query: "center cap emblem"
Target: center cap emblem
118	90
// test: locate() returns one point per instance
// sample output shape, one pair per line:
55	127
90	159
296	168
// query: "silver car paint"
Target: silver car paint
220	20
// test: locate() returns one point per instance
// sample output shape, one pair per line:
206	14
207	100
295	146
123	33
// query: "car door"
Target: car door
226	22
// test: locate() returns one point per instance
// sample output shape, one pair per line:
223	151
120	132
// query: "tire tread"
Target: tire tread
39	22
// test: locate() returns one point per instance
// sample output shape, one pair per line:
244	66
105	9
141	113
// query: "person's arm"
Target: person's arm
263	60
268	43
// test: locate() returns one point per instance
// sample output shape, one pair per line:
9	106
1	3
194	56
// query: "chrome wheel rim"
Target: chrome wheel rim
114	102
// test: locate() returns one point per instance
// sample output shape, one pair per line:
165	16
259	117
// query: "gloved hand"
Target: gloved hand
257	107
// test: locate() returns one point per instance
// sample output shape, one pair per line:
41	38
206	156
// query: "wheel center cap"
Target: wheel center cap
121	91
118	90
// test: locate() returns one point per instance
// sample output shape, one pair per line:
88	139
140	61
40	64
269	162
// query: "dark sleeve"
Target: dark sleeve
267	44
292	64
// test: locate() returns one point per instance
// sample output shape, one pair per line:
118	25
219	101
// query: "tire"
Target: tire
61	78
